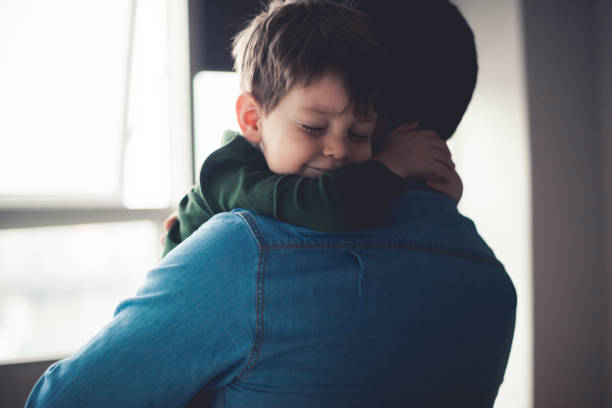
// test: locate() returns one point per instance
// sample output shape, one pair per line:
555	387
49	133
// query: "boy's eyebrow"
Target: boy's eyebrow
372	117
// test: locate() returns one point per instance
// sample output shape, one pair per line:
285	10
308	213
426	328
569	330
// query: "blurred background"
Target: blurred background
108	109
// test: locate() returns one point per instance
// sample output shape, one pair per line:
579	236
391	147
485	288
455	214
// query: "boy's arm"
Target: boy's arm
193	211
346	199
236	176
349	198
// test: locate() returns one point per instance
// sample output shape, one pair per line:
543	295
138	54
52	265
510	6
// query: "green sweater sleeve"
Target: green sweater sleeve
350	198
192	211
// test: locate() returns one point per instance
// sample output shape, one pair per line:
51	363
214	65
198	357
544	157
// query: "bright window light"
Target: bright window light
85	124
214	100
147	154
84	102
62	78
60	285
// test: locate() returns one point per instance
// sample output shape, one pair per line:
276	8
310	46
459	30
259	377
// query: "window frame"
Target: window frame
33	211
28	211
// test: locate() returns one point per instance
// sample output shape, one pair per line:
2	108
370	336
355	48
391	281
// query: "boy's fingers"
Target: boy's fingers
442	158
453	190
440	171
405	127
446	161
410	130
441	145
169	222
441	186
429	139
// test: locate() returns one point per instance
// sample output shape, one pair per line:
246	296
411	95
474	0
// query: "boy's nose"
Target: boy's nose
337	149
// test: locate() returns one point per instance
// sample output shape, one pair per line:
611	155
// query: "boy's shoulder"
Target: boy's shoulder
234	153
234	146
229	136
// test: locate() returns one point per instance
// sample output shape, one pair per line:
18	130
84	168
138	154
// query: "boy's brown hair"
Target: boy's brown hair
294	42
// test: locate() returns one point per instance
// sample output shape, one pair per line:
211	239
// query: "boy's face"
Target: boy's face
313	130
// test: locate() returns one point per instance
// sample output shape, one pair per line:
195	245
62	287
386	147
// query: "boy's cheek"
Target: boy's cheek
364	154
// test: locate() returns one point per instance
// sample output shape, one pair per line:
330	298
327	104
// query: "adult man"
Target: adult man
417	312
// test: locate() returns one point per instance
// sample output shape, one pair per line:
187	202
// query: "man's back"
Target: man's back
267	314
417	312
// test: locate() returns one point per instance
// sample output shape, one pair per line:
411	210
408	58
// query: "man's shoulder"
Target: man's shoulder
222	236
419	218
430	216
232	225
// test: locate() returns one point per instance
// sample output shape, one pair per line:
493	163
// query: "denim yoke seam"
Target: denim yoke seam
456	252
259	298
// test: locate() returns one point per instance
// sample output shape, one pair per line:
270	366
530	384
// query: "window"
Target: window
95	153
60	284
214	98
63	79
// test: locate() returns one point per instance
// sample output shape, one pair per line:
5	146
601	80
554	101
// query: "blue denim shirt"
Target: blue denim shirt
266	314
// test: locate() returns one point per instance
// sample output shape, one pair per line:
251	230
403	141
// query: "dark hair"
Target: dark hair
432	65
294	42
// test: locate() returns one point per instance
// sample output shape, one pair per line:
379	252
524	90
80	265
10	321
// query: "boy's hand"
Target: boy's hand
168	223
412	152
452	187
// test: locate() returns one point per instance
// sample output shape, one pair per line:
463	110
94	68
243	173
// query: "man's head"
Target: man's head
432	66
310	72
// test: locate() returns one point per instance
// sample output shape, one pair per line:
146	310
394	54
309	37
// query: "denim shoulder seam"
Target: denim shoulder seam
259	298
254	228
408	246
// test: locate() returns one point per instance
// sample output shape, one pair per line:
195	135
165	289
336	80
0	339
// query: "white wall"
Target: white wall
567	43
545	91
604	19
491	149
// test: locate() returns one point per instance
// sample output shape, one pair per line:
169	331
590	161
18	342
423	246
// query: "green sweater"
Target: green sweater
349	198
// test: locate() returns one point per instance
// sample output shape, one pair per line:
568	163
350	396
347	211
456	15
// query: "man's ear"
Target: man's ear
249	114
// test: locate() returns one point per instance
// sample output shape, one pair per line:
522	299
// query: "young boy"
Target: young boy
310	74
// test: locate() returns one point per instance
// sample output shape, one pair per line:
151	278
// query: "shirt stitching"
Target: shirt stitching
459	253
254	227
410	246
259	301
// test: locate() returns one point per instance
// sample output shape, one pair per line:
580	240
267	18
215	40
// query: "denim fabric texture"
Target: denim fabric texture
265	314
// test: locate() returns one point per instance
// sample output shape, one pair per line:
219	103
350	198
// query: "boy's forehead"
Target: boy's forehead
325	96
324	110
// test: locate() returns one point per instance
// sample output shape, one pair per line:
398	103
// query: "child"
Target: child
310	75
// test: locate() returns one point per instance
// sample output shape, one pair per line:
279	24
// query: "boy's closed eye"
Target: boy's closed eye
355	136
313	129
359	137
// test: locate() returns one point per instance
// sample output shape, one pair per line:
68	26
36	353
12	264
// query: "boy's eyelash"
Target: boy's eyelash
318	129
312	129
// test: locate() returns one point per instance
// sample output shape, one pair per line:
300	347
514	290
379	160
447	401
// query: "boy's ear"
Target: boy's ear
249	114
